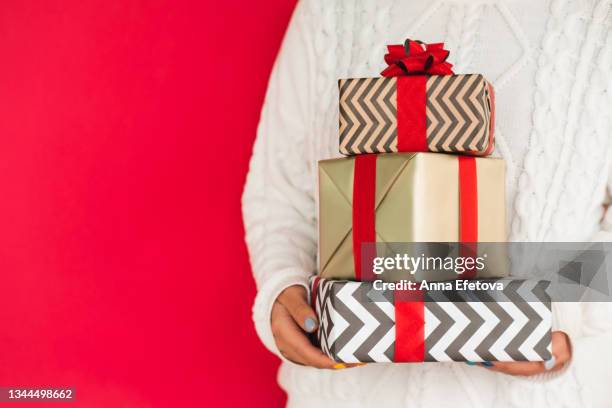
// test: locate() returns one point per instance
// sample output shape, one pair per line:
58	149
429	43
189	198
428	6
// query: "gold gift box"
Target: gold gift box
417	196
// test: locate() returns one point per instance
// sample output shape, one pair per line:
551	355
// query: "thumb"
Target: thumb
295	301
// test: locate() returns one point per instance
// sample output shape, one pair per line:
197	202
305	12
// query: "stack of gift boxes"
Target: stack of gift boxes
417	172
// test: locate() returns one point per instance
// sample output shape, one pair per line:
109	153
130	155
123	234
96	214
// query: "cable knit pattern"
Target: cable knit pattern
468	19
592	124
558	170
575	133
548	120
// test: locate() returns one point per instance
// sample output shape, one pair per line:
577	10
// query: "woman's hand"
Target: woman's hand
292	316
561	351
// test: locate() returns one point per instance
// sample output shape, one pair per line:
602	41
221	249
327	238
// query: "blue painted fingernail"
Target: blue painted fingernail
550	364
310	324
470	363
487	364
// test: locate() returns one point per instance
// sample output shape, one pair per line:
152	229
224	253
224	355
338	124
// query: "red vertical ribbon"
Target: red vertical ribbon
468	210
364	211
313	293
411	113
409	326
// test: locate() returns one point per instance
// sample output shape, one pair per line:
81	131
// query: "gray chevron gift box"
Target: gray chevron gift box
361	324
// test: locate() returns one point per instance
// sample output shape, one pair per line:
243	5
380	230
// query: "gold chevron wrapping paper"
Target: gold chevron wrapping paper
417	199
359	324
459	114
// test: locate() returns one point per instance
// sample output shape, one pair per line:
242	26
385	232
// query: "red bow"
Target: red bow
417	58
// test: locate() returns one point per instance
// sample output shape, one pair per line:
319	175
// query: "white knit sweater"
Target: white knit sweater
551	65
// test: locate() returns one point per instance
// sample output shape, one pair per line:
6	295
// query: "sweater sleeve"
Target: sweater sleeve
278	204
591	351
592	337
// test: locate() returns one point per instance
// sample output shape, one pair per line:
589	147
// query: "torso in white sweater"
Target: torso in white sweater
551	66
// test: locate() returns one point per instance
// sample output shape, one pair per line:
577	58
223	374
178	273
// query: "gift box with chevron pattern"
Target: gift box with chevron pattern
359	323
437	113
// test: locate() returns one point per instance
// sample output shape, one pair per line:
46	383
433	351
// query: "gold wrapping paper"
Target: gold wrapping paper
419	202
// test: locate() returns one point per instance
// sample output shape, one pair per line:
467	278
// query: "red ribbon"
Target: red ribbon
364	214
412	114
468	199
416	58
468	211
409	326
313	293
411	63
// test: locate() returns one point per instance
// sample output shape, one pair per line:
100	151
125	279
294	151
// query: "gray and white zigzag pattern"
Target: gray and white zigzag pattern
357	323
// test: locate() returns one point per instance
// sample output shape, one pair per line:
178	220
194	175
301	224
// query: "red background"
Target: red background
126	130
